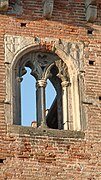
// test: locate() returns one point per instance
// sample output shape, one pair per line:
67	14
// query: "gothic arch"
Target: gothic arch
73	91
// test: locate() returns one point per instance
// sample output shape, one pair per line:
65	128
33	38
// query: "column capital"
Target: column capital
41	83
19	79
65	83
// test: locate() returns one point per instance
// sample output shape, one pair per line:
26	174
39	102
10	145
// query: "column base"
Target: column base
43	126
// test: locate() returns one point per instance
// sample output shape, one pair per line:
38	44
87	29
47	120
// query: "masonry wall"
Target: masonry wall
32	154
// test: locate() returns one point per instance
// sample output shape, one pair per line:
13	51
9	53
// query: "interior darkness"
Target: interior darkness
52	116
1	160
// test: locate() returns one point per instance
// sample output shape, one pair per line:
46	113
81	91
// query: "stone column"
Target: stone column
65	85
40	101
17	102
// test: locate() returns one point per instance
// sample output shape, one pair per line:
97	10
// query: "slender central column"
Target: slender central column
40	100
65	85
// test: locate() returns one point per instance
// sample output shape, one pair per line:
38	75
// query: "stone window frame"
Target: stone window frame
71	54
42	64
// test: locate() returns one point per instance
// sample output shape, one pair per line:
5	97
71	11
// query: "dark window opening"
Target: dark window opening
1	161
54	117
23	24
91	62
50	94
100	98
90	31
51	106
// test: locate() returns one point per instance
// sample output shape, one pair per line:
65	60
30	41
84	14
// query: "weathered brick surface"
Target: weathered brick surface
34	156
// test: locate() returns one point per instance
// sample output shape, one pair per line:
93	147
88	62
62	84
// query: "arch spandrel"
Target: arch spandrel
17	46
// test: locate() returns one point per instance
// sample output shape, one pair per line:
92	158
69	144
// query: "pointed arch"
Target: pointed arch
73	89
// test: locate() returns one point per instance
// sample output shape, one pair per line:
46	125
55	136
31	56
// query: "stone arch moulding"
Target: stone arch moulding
71	53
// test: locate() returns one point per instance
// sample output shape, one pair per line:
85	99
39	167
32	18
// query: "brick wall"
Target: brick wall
26	153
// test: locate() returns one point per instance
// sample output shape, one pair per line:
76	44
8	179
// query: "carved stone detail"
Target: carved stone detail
48	8
65	83
91	10
90	2
13	44
42	64
41	83
73	49
63	70
4	5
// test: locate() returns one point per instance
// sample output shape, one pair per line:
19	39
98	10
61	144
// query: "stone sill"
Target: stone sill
22	130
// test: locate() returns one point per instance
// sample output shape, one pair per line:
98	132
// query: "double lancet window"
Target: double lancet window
44	66
63	68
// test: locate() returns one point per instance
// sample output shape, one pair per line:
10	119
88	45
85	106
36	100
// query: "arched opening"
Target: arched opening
54	117
28	99
62	75
51	106
50	95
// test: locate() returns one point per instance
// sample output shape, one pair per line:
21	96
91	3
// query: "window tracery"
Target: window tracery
45	66
60	68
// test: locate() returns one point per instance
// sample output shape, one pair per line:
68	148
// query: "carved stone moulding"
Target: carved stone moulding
90	2
4	5
91	13
91	10
48	8
16	44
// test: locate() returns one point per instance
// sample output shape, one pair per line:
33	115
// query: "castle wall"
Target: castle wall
35	154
